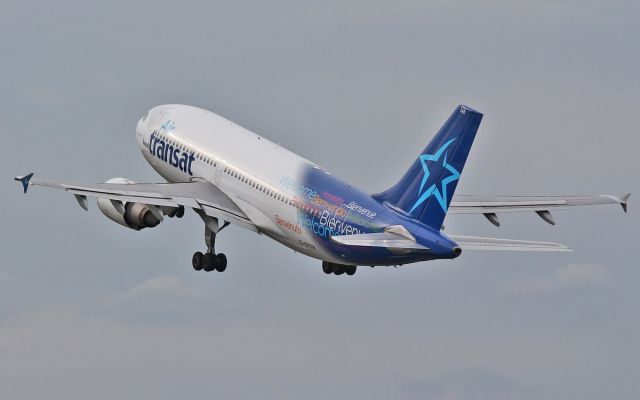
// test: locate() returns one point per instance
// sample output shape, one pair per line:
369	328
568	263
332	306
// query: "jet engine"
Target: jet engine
132	215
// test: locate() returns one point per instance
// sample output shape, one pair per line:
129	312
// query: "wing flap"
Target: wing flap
482	243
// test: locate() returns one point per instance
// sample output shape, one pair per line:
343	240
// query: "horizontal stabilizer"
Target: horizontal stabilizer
395	238
481	243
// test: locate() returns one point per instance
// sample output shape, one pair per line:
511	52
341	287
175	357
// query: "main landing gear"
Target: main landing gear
338	269
210	261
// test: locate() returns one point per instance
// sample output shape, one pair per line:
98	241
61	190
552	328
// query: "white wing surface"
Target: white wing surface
385	240
203	196
490	206
396	238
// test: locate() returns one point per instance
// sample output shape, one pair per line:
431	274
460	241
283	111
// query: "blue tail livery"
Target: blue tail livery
426	189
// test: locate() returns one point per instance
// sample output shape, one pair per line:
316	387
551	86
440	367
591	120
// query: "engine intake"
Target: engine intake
139	215
132	215
136	215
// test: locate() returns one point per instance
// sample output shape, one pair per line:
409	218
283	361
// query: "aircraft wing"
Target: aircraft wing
482	243
490	206
203	196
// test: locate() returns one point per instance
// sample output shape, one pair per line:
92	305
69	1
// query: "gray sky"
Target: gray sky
89	309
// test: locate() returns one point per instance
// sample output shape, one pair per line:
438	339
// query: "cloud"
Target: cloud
5	277
161	286
468	383
177	301
567	278
46	96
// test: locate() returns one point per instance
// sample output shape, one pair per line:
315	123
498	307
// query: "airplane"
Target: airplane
229	175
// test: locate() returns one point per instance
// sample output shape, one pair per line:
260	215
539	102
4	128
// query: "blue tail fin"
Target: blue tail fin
426	189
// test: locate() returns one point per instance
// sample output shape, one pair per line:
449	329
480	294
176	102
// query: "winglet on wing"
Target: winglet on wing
624	201
24	180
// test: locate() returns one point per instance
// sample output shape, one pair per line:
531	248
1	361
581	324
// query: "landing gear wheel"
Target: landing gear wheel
180	212
210	262
327	267
339	270
350	270
197	260
222	262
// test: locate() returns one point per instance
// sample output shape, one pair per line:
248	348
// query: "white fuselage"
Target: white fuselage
257	174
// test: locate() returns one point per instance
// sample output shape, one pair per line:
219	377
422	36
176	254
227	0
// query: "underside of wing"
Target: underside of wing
201	196
482	243
490	206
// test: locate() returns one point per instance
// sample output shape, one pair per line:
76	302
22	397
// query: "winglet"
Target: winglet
24	180
624	201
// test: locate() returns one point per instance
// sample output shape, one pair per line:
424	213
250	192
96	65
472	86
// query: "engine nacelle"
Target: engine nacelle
132	215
